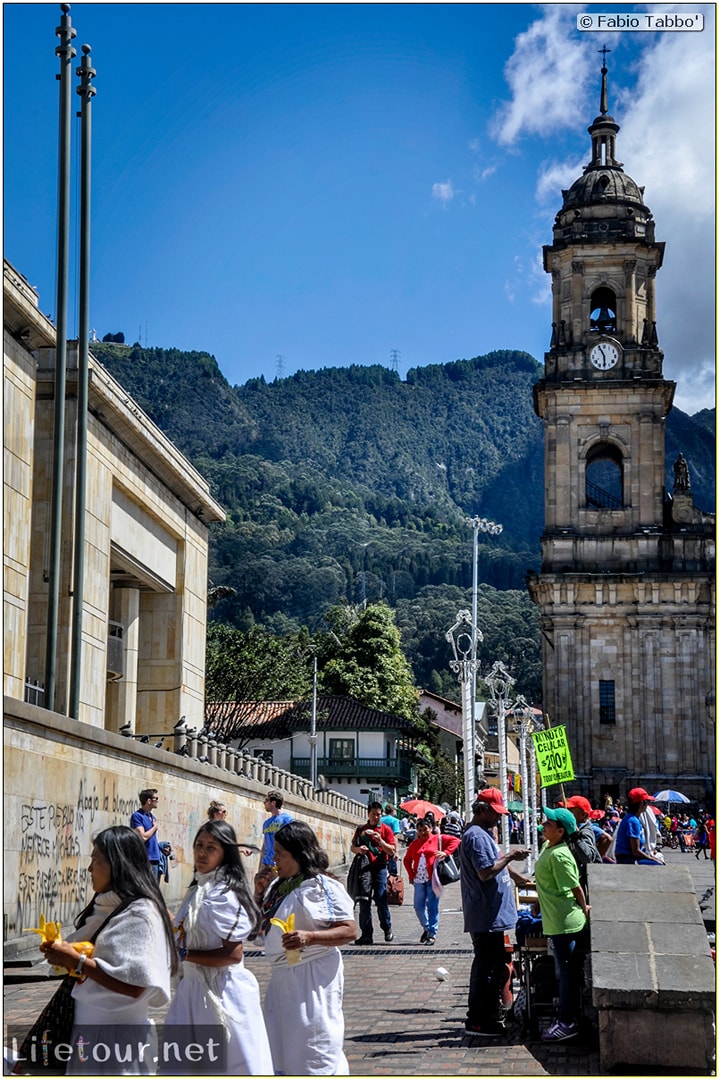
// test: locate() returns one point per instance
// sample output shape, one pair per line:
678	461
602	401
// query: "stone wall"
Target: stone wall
66	780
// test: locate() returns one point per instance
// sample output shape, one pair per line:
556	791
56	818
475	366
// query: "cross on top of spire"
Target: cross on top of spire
603	88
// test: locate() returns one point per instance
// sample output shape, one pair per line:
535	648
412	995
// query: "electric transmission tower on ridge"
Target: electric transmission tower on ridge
394	359
279	366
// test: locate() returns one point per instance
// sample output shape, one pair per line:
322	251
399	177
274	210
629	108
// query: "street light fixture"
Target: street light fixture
463	636
312	737
499	681
493	529
525	723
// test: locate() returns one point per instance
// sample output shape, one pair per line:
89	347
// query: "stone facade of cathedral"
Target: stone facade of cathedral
626	589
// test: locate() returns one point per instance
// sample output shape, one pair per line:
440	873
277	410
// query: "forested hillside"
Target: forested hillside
350	485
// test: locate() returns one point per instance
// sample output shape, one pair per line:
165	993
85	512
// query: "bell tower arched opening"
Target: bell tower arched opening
603	311
604	478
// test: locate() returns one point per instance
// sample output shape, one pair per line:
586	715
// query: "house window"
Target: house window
342	749
264	755
607	701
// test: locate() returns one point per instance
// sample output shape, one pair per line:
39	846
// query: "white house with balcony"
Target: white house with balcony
363	753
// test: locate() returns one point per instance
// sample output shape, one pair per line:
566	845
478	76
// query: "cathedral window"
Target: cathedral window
604	478
603	316
607	701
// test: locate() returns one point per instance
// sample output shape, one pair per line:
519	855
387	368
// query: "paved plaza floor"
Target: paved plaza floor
400	1020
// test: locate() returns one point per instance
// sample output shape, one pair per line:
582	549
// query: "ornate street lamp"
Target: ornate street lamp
463	636
499	681
493	529
525	723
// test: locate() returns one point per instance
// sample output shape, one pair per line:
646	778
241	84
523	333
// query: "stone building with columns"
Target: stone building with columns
146	542
626	589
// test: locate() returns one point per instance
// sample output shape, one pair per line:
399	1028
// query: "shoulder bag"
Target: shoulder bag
448	870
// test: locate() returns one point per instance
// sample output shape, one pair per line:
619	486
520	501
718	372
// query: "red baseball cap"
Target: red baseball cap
493	797
580	802
596	815
639	794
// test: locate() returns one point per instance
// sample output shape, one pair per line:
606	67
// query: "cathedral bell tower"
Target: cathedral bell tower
626	591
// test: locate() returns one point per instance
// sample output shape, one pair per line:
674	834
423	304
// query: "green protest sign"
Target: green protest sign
553	756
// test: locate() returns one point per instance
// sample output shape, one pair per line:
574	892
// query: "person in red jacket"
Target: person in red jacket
419	861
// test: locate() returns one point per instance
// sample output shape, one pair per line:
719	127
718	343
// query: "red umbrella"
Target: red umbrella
421	807
656	812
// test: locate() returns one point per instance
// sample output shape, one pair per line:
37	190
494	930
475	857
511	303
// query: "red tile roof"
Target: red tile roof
280	719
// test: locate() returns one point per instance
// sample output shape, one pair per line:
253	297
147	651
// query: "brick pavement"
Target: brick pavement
400	1020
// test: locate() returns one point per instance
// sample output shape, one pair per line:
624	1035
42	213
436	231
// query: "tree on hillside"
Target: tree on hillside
244	667
366	663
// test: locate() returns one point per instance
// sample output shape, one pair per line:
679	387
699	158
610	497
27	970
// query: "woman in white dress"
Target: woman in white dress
129	971
216	916
303	1003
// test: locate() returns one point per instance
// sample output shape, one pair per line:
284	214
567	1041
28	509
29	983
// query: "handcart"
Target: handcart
536	999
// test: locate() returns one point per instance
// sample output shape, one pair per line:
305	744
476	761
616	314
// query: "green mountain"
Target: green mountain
349	484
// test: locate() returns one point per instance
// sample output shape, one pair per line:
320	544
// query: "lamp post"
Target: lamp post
463	637
494	529
498	681
312	737
525	724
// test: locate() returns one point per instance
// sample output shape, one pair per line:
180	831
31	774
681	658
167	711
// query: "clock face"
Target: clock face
604	355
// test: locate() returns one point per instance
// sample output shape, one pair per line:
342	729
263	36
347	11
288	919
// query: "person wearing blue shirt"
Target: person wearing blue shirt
145	824
489	911
267	870
393	823
630	846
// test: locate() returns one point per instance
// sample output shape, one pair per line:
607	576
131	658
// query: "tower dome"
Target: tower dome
604	201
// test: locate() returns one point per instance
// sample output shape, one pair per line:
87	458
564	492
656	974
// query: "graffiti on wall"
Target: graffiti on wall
55	845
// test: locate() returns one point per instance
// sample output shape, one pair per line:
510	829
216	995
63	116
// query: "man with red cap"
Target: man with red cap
489	910
584	841
630	843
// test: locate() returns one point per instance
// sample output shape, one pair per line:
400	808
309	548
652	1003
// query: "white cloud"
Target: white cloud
547	74
444	192
554	176
667	144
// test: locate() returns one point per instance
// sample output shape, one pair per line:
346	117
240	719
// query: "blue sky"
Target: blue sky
330	182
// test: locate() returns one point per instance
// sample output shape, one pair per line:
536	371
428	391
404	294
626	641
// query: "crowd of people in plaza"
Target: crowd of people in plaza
304	914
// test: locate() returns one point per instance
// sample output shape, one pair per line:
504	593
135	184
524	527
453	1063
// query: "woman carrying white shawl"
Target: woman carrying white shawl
217	914
303	1003
130	966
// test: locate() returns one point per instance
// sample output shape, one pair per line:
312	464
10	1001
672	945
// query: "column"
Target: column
126	610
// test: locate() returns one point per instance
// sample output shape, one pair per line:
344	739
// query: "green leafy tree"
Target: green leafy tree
244	667
367	663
